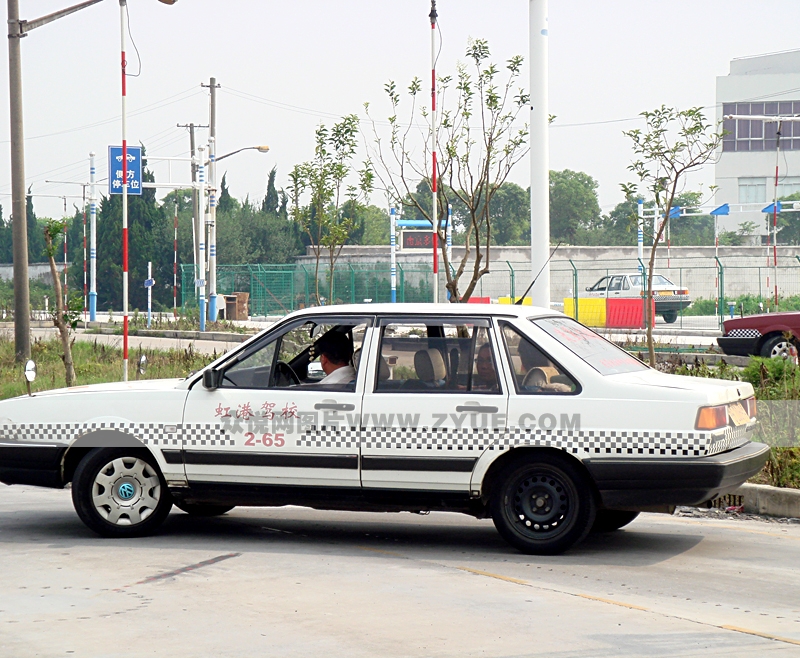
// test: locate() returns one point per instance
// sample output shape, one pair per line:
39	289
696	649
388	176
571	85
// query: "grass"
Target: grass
95	363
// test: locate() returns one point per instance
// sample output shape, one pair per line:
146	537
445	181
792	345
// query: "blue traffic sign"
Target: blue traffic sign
149	283
134	169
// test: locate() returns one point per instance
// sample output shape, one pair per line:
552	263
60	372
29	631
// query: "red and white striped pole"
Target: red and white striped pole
66	294
122	8
434	200
775	213
175	264
85	286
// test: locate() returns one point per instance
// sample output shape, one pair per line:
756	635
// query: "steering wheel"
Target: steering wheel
283	369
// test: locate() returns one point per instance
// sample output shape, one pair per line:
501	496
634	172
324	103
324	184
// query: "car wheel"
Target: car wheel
608	520
120	492
203	509
542	505
776	347
669	316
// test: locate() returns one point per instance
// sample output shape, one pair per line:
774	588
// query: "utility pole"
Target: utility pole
197	230
212	202
19	215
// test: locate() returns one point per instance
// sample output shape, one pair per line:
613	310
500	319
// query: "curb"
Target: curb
769	501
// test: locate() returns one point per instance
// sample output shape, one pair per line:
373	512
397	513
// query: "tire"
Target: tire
669	316
608	520
120	492
203	509
776	347
520	510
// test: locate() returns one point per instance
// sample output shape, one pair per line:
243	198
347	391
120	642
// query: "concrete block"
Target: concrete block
770	501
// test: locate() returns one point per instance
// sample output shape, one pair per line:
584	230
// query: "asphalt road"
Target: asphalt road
296	582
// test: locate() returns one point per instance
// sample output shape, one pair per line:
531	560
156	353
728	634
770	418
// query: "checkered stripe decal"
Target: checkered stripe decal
743	333
330	437
611	442
409	438
734	437
153	434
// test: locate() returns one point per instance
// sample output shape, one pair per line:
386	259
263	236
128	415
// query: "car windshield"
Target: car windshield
658	280
602	355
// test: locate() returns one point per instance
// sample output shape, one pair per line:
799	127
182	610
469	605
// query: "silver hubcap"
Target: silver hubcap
126	491
780	350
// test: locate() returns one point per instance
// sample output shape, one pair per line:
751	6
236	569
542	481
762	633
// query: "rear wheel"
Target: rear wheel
542	504
203	509
669	316
120	492
608	520
776	347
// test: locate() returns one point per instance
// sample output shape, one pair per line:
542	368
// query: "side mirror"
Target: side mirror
211	379
588	288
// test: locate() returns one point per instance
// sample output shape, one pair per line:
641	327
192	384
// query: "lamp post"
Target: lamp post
17	29
212	219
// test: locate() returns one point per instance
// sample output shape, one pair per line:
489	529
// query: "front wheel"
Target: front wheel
542	504
776	347
120	492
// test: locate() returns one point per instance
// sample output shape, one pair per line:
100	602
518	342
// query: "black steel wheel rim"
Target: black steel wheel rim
541	504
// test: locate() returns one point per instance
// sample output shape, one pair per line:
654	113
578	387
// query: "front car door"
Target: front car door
271	421
434	402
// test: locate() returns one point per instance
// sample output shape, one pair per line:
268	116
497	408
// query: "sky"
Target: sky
285	67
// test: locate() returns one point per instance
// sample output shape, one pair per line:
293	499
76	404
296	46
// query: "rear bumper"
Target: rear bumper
667	304
738	346
31	464
642	483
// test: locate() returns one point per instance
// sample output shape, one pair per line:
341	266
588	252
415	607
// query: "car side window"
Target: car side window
616	283
305	354
433	356
534	372
625	284
600	286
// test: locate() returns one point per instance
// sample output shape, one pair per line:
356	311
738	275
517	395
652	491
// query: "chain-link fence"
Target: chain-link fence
713	285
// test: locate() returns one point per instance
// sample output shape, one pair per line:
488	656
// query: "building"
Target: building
745	173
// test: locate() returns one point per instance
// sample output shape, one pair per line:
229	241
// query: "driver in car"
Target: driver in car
335	356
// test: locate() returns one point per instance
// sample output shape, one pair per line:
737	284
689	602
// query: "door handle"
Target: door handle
474	408
333	406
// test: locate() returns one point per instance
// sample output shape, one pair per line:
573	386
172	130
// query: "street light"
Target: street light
260	149
212	224
16	30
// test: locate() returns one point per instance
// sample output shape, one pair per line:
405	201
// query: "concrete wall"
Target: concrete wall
36	271
745	268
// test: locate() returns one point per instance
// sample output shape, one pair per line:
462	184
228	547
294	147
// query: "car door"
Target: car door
541	405
615	286
271	420
599	289
434	401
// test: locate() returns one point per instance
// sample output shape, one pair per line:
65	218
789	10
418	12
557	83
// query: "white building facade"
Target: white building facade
745	172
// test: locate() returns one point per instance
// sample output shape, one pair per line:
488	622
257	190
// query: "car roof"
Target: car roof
426	309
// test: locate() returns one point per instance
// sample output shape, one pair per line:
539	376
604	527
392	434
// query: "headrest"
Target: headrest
429	365
356	358
384	372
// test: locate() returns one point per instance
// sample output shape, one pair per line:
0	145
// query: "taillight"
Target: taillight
712	418
750	406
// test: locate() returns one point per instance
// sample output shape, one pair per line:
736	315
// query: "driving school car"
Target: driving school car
515	413
669	299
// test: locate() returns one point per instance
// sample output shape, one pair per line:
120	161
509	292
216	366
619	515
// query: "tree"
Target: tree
673	143
226	202
36	246
480	141
63	319
271	200
322	182
573	204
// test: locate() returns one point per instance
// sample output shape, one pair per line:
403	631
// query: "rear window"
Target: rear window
602	355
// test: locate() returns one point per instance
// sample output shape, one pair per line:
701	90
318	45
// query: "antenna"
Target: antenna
528	289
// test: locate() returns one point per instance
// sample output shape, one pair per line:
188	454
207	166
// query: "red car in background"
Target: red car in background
761	335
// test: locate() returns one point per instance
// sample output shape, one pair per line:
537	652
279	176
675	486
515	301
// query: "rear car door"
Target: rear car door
271	421
434	401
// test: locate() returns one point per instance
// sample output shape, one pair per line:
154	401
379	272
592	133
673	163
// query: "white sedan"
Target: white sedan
510	412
